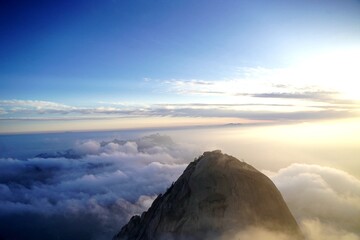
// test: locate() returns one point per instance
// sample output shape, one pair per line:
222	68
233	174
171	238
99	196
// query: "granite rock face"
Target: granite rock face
217	194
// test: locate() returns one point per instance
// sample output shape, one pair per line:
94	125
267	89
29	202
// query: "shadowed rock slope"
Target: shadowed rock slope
217	194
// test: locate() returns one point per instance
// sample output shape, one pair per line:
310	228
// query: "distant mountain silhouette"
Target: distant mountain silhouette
70	154
217	194
142	144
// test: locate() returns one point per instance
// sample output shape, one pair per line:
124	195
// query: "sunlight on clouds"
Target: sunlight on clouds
324	78
316	230
319	87
328	206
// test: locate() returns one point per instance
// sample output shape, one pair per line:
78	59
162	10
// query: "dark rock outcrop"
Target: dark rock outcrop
217	194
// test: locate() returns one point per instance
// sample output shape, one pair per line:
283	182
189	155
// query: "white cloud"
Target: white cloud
316	230
88	147
257	233
251	109
312	230
102	182
35	104
326	79
324	200
314	192
108	182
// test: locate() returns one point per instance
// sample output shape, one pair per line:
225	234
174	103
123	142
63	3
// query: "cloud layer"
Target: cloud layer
276	111
255	93
326	201
101	184
92	189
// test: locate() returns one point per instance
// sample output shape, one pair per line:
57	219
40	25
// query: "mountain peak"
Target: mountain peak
222	161
217	194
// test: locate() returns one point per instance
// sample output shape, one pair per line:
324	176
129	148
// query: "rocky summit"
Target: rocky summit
217	194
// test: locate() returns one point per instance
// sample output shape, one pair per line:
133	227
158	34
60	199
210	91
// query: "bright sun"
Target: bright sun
337	71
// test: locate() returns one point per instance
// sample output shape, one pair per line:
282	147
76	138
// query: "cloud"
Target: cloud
316	230
315	95
315	193
312	230
254	114
90	147
45	107
193	82
21	110
325	201
101	184
313	90
257	233
34	104
298	84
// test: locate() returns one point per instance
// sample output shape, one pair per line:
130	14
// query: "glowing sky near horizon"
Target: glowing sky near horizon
92	65
155	74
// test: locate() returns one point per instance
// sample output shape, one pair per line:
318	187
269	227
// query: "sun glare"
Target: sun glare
337	71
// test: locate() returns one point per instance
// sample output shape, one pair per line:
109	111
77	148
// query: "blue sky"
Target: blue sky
92	54
170	66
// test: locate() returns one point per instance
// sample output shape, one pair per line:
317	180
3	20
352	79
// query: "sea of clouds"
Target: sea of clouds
89	191
325	201
92	189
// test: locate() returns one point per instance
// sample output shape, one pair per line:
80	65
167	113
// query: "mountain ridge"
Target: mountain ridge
216	194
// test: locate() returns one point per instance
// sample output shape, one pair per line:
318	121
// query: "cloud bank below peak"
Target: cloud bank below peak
329	201
101	184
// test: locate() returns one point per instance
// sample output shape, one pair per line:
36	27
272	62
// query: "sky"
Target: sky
104	103
95	65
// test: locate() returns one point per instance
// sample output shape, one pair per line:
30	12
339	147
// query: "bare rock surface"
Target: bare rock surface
217	194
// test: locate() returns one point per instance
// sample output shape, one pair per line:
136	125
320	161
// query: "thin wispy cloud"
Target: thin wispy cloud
34	104
300	82
31	110
315	96
260	94
194	82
